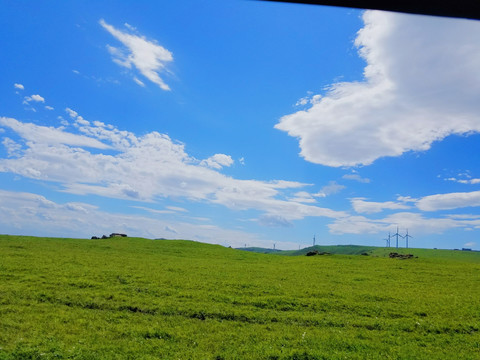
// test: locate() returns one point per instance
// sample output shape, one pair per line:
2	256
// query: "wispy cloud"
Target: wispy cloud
146	56
449	201
145	168
46	137
415	222
18	86
360	205
75	219
464	181
330	189
356	177
414	92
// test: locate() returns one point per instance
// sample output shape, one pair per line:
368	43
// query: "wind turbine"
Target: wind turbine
388	240
313	239
406	238
397	235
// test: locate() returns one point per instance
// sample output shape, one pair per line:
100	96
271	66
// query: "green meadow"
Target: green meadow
131	298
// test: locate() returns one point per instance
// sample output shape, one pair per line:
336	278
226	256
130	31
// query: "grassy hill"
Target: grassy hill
374	251
162	299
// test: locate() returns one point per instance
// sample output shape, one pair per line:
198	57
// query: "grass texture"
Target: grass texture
130	298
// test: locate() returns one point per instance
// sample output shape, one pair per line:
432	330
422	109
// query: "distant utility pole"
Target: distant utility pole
406	238
397	235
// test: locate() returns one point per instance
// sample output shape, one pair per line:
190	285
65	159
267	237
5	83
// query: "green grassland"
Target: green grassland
129	298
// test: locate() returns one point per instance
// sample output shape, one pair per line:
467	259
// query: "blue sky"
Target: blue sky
239	122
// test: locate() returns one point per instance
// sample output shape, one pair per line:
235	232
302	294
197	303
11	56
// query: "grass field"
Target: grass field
143	299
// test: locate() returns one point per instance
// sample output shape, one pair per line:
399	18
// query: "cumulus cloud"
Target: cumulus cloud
217	161
144	168
18	86
369	207
449	201
421	84
147	56
34	98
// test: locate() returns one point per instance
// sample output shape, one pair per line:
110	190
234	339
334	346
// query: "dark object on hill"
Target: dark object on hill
108	237
117	235
364	254
316	252
394	255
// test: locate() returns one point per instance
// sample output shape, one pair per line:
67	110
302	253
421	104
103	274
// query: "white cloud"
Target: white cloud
18	86
72	113
81	220
49	107
170	229
139	82
274	221
330	189
46	137
303	197
144	168
369	207
13	148
154	211
421	85
309	99
470	244
147	56
449	201
34	98
217	161
464	181
356	177
37	98
177	208
416	223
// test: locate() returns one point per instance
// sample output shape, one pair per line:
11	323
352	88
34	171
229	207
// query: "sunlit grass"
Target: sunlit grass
137	298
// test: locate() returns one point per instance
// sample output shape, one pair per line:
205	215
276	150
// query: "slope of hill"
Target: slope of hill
148	299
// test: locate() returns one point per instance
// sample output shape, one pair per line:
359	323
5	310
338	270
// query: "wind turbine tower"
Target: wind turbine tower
396	236
388	240
313	239
406	238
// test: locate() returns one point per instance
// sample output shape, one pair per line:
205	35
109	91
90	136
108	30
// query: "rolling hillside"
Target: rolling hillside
170	299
